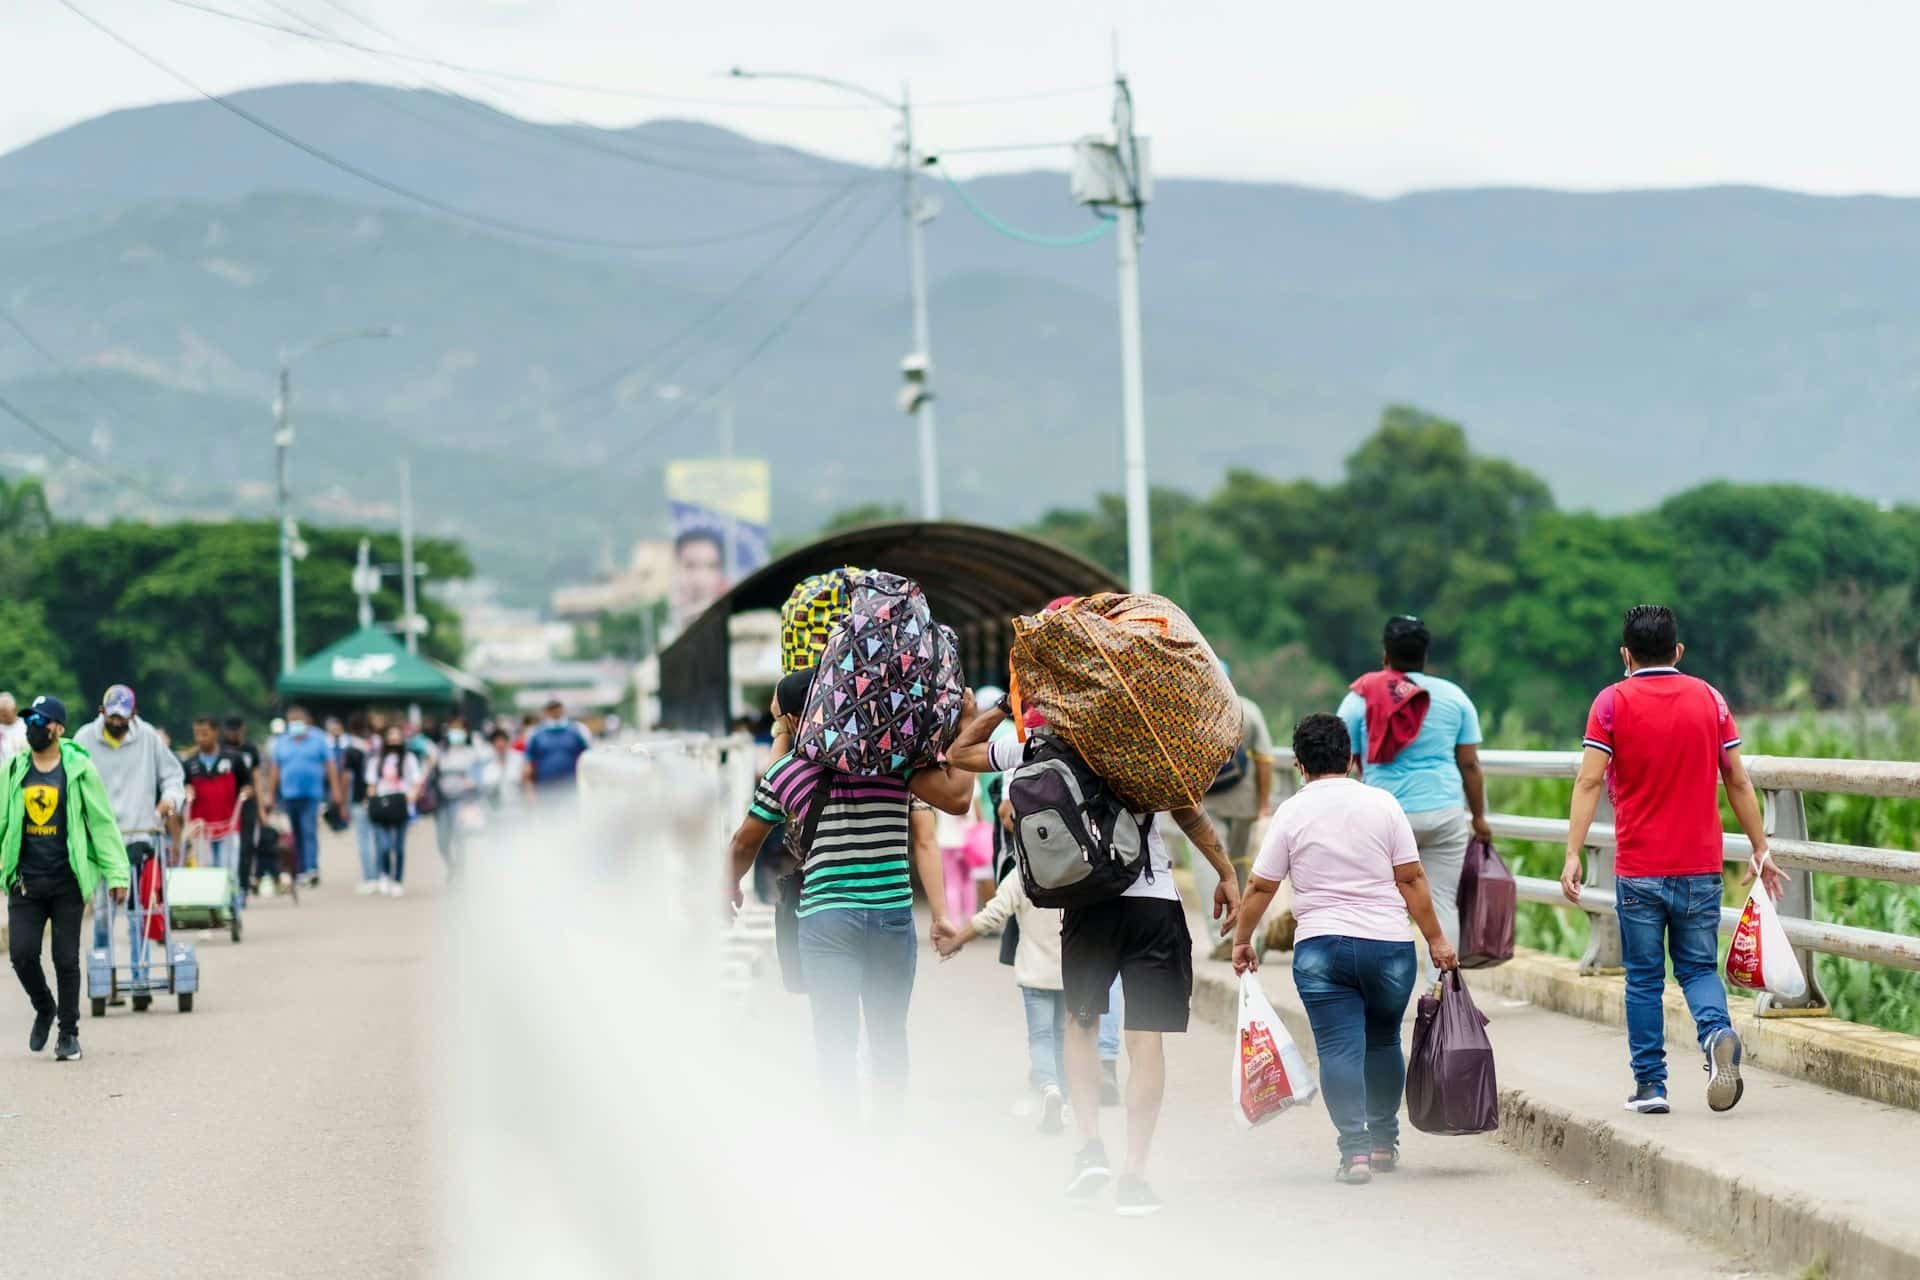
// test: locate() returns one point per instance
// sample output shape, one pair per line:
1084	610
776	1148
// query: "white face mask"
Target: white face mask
456	737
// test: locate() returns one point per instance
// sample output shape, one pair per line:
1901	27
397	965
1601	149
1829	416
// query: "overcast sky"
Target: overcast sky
1379	96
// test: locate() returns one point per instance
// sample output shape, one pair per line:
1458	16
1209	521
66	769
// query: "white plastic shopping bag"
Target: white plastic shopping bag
1269	1072
1761	958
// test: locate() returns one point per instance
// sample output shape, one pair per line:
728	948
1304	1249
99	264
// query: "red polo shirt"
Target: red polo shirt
1667	735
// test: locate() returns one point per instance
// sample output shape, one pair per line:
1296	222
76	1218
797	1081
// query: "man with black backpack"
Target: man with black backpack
1108	869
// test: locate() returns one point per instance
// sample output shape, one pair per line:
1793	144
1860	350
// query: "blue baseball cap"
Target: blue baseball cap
118	702
49	708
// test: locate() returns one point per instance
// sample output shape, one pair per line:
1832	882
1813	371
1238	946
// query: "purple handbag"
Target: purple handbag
1450	1080
1489	897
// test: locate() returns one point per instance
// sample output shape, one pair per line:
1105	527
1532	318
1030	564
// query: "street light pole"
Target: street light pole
919	363
406	556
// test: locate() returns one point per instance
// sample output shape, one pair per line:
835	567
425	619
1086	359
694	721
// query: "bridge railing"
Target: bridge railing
1784	782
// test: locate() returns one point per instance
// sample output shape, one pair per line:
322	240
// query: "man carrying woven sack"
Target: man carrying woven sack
1139	937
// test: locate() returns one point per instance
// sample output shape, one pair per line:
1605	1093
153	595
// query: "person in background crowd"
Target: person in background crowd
553	752
218	783
303	778
857	946
234	738
1416	737
13	730
336	737
1660	744
395	778
456	778
1139	938
53	854
1235	809
1357	876
358	745
423	739
147	788
501	771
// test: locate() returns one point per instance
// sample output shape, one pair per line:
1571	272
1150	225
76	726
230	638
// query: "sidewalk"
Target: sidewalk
1796	1175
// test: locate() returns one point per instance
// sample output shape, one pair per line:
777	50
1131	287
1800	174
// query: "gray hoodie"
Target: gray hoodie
139	773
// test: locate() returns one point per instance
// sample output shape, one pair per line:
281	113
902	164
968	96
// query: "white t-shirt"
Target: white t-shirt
1340	841
1007	753
13	739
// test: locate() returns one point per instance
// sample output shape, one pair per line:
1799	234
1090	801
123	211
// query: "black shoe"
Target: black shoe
1724	1085
1090	1171
1109	1084
1650	1100
42	1028
1135	1198
68	1049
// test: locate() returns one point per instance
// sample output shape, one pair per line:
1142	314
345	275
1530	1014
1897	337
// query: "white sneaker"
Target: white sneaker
286	880
385	888
366	887
398	891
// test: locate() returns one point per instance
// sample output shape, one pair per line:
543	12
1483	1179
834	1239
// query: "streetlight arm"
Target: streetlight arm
335	339
741	73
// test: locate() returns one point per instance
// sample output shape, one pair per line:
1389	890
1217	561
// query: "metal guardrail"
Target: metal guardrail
1783	783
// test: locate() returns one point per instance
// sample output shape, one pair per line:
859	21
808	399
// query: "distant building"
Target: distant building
643	581
498	636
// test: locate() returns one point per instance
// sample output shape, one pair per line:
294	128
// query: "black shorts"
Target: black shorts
1143	941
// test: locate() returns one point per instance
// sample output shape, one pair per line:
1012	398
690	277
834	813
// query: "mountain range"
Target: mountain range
155	262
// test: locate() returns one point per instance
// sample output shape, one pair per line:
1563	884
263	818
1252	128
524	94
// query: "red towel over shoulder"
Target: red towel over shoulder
1396	708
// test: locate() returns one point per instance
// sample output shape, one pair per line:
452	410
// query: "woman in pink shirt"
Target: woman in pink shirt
1356	878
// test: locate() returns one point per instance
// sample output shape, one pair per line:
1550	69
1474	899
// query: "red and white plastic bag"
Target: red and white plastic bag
1761	958
1269	1072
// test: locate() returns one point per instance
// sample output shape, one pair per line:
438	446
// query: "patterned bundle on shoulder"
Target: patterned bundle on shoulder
888	693
808	616
1131	683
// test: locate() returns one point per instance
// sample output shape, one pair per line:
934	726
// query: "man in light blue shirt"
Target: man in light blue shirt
1435	775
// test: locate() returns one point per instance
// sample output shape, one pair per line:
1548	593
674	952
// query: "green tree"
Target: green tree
32	659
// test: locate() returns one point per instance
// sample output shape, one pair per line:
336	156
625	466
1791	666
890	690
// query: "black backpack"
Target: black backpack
1077	844
1232	773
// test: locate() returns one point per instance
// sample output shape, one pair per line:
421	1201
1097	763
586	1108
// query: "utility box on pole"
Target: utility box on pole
1099	177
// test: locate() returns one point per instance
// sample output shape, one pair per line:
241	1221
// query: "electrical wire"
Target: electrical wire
620	91
100	397
746	362
80	456
432	202
1007	229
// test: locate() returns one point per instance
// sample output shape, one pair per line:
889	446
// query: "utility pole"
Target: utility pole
410	621
916	397
283	444
917	217
1112	172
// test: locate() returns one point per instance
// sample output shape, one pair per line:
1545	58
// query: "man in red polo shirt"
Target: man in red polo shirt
1661	743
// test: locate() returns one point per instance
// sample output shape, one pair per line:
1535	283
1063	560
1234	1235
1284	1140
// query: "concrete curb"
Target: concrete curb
1710	1202
1863	1061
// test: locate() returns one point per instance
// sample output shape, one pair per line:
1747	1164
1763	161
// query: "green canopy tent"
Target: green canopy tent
370	667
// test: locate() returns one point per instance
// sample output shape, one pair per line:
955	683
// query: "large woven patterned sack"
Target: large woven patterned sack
808	617
1131	683
887	696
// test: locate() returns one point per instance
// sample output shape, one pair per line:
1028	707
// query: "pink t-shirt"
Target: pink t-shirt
1340	841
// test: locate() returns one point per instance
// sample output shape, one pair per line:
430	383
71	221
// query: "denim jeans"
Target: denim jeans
365	843
857	961
1046	1036
1356	991
304	817
136	925
391	840
224	851
1658	915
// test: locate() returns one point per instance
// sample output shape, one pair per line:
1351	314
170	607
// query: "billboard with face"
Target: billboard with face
718	510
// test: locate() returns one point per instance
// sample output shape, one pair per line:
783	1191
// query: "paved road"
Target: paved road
280	1129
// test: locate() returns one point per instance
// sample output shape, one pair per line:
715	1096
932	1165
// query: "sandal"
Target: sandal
1385	1159
1355	1171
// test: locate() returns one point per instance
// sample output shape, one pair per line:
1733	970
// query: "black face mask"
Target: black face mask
39	734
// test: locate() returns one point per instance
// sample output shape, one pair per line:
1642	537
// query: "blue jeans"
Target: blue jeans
365	843
1046	1036
303	815
224	851
391	841
1658	915
857	960
1356	991
136	925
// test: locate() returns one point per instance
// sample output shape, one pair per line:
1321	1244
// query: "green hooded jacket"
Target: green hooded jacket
94	847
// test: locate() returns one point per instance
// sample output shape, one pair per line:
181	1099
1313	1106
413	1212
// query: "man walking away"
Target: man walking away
147	790
233	737
13	730
1660	743
304	779
553	752
1140	938
218	782
1236	808
58	840
1416	737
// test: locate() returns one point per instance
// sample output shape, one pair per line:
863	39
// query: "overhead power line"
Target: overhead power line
623	91
693	403
432	202
1007	229
80	456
